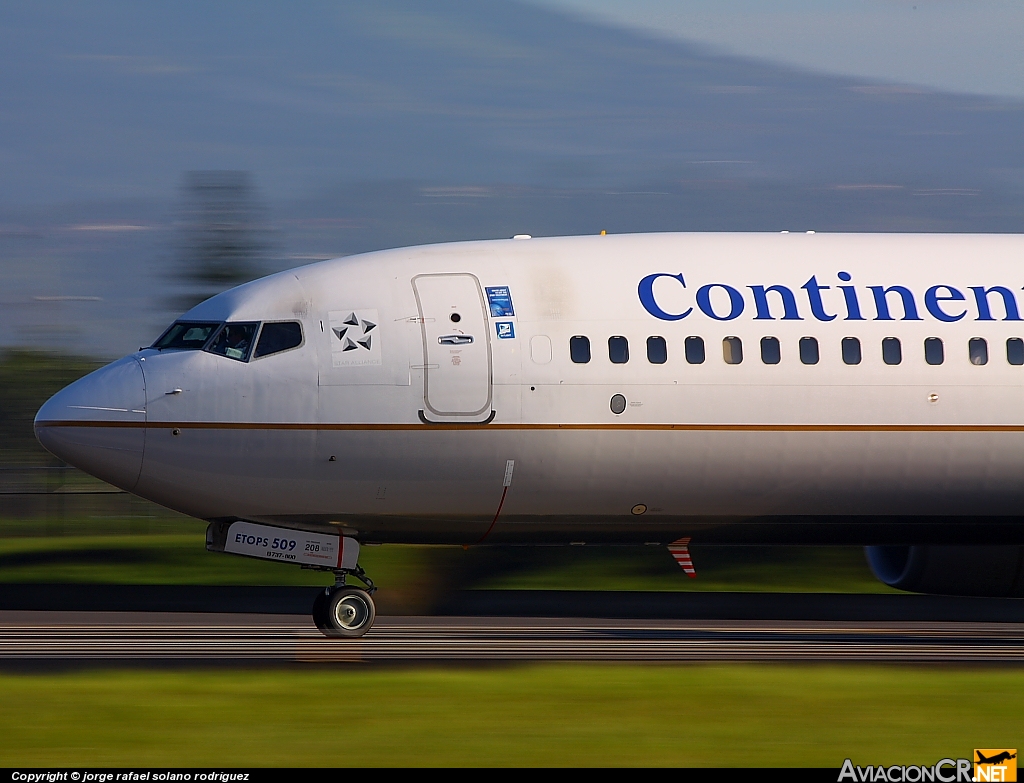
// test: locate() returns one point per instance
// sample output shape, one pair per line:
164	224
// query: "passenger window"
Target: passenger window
808	350
732	350
186	336
694	349
892	351
277	337
657	350
1015	350
933	352
579	349
977	349
618	349
851	350
771	353
233	341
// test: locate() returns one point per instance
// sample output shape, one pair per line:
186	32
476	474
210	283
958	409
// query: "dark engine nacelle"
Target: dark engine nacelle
950	570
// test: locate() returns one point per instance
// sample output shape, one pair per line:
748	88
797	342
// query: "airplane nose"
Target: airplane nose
98	423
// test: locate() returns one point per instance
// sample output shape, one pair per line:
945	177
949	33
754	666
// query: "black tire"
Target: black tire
320	609
348	613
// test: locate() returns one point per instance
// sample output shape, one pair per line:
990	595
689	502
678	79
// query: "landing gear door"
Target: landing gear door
456	348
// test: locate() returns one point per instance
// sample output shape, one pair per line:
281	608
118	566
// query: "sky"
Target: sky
115	99
952	45
401	122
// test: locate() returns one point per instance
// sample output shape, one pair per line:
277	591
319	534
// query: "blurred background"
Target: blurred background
153	155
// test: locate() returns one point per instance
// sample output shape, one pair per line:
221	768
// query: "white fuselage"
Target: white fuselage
395	421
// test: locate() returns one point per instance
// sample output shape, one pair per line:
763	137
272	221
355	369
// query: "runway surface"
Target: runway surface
165	637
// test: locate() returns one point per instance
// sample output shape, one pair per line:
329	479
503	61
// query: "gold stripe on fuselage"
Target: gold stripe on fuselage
239	425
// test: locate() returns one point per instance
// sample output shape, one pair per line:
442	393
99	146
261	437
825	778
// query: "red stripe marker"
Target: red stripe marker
680	550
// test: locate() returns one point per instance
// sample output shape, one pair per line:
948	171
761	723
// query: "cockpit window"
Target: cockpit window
186	336
234	341
277	337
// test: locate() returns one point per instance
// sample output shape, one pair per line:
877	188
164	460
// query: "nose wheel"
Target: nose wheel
344	612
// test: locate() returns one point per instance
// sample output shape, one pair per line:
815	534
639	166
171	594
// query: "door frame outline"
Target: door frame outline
426	363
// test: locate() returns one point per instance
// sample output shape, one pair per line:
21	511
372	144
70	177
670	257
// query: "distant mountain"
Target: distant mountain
113	99
399	122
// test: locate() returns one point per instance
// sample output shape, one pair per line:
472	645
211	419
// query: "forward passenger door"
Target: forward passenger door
456	347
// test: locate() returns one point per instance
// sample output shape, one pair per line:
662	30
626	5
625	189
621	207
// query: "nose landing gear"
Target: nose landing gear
341	611
345	612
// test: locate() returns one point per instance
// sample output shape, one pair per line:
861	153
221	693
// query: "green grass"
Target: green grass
148	559
550	714
136	549
170	558
733	568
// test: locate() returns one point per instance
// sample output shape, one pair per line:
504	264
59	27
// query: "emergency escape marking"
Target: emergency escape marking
680	550
291	546
355	338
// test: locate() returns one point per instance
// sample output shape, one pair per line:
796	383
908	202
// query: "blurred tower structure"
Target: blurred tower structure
223	235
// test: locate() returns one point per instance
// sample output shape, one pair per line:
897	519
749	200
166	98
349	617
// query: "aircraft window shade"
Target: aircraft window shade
892	351
618	349
579	349
233	341
933	351
657	350
1015	351
851	350
977	350
277	337
808	350
771	352
732	350
694	350
186	336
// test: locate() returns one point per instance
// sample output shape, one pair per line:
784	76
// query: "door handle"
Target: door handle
173	391
455	339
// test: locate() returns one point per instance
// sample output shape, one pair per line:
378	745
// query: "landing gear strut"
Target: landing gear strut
342	611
